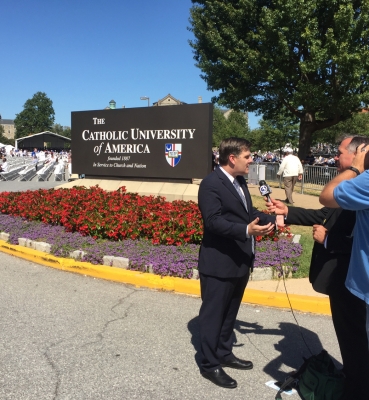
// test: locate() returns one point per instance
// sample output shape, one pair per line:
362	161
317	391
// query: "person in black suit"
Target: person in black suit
226	256
332	232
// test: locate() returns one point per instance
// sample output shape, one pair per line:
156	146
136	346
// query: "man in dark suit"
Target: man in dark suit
332	232
226	256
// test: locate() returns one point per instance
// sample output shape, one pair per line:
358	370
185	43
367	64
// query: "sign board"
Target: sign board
165	143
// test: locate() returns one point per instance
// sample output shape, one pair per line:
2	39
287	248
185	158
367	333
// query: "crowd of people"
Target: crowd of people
314	157
61	160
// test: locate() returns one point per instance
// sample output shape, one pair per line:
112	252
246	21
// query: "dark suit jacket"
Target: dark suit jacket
329	265
225	251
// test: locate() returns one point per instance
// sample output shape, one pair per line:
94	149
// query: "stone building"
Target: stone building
9	129
168	100
227	113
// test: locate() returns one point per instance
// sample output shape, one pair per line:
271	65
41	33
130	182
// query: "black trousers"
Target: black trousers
349	320
221	299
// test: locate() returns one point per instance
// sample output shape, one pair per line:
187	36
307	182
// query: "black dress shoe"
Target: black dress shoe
220	378
237	363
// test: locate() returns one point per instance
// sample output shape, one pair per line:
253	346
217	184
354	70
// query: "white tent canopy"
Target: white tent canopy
8	147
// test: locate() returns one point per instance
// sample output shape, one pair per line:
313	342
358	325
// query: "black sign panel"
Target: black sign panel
167	142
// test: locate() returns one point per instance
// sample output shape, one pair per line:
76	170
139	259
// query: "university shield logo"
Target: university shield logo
173	153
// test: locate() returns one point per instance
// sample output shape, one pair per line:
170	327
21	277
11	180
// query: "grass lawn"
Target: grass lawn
306	240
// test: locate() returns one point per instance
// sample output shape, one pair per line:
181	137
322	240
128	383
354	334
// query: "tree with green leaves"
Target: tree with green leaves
235	125
38	115
61	130
358	125
307	57
275	134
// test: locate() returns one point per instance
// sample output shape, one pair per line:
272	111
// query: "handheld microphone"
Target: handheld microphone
265	190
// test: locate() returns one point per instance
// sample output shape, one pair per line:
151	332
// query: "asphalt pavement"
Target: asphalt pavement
68	336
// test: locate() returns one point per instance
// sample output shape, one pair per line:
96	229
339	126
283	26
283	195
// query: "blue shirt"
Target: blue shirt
354	195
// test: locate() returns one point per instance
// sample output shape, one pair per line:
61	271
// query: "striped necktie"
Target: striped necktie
242	195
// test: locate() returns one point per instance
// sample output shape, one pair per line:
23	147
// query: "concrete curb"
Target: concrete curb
143	279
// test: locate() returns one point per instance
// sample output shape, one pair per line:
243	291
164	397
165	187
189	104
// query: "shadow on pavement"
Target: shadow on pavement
292	341
193	327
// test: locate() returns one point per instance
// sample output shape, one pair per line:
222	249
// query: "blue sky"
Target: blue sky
84	53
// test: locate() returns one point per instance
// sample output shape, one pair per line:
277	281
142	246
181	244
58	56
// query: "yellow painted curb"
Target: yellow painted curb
188	286
311	304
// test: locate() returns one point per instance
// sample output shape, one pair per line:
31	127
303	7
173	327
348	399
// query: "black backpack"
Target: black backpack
316	379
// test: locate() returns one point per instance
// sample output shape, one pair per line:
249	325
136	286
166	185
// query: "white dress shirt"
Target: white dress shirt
231	178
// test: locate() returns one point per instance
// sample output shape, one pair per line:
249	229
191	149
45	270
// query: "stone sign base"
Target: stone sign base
267	273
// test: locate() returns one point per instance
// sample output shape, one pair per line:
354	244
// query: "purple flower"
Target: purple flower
163	260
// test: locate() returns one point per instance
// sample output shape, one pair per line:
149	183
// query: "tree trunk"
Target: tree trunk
307	128
309	125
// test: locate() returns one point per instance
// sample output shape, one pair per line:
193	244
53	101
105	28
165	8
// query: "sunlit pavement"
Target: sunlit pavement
67	336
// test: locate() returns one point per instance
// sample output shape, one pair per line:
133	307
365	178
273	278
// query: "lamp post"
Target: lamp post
146	98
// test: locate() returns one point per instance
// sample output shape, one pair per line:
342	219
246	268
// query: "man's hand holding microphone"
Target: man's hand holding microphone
280	209
273	206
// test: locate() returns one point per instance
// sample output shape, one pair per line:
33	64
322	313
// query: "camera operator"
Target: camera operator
349	190
332	233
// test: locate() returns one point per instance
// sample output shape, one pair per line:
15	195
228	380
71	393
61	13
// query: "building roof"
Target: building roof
168	96
44	133
6	121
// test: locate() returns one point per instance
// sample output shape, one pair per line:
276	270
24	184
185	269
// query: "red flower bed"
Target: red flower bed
112	215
